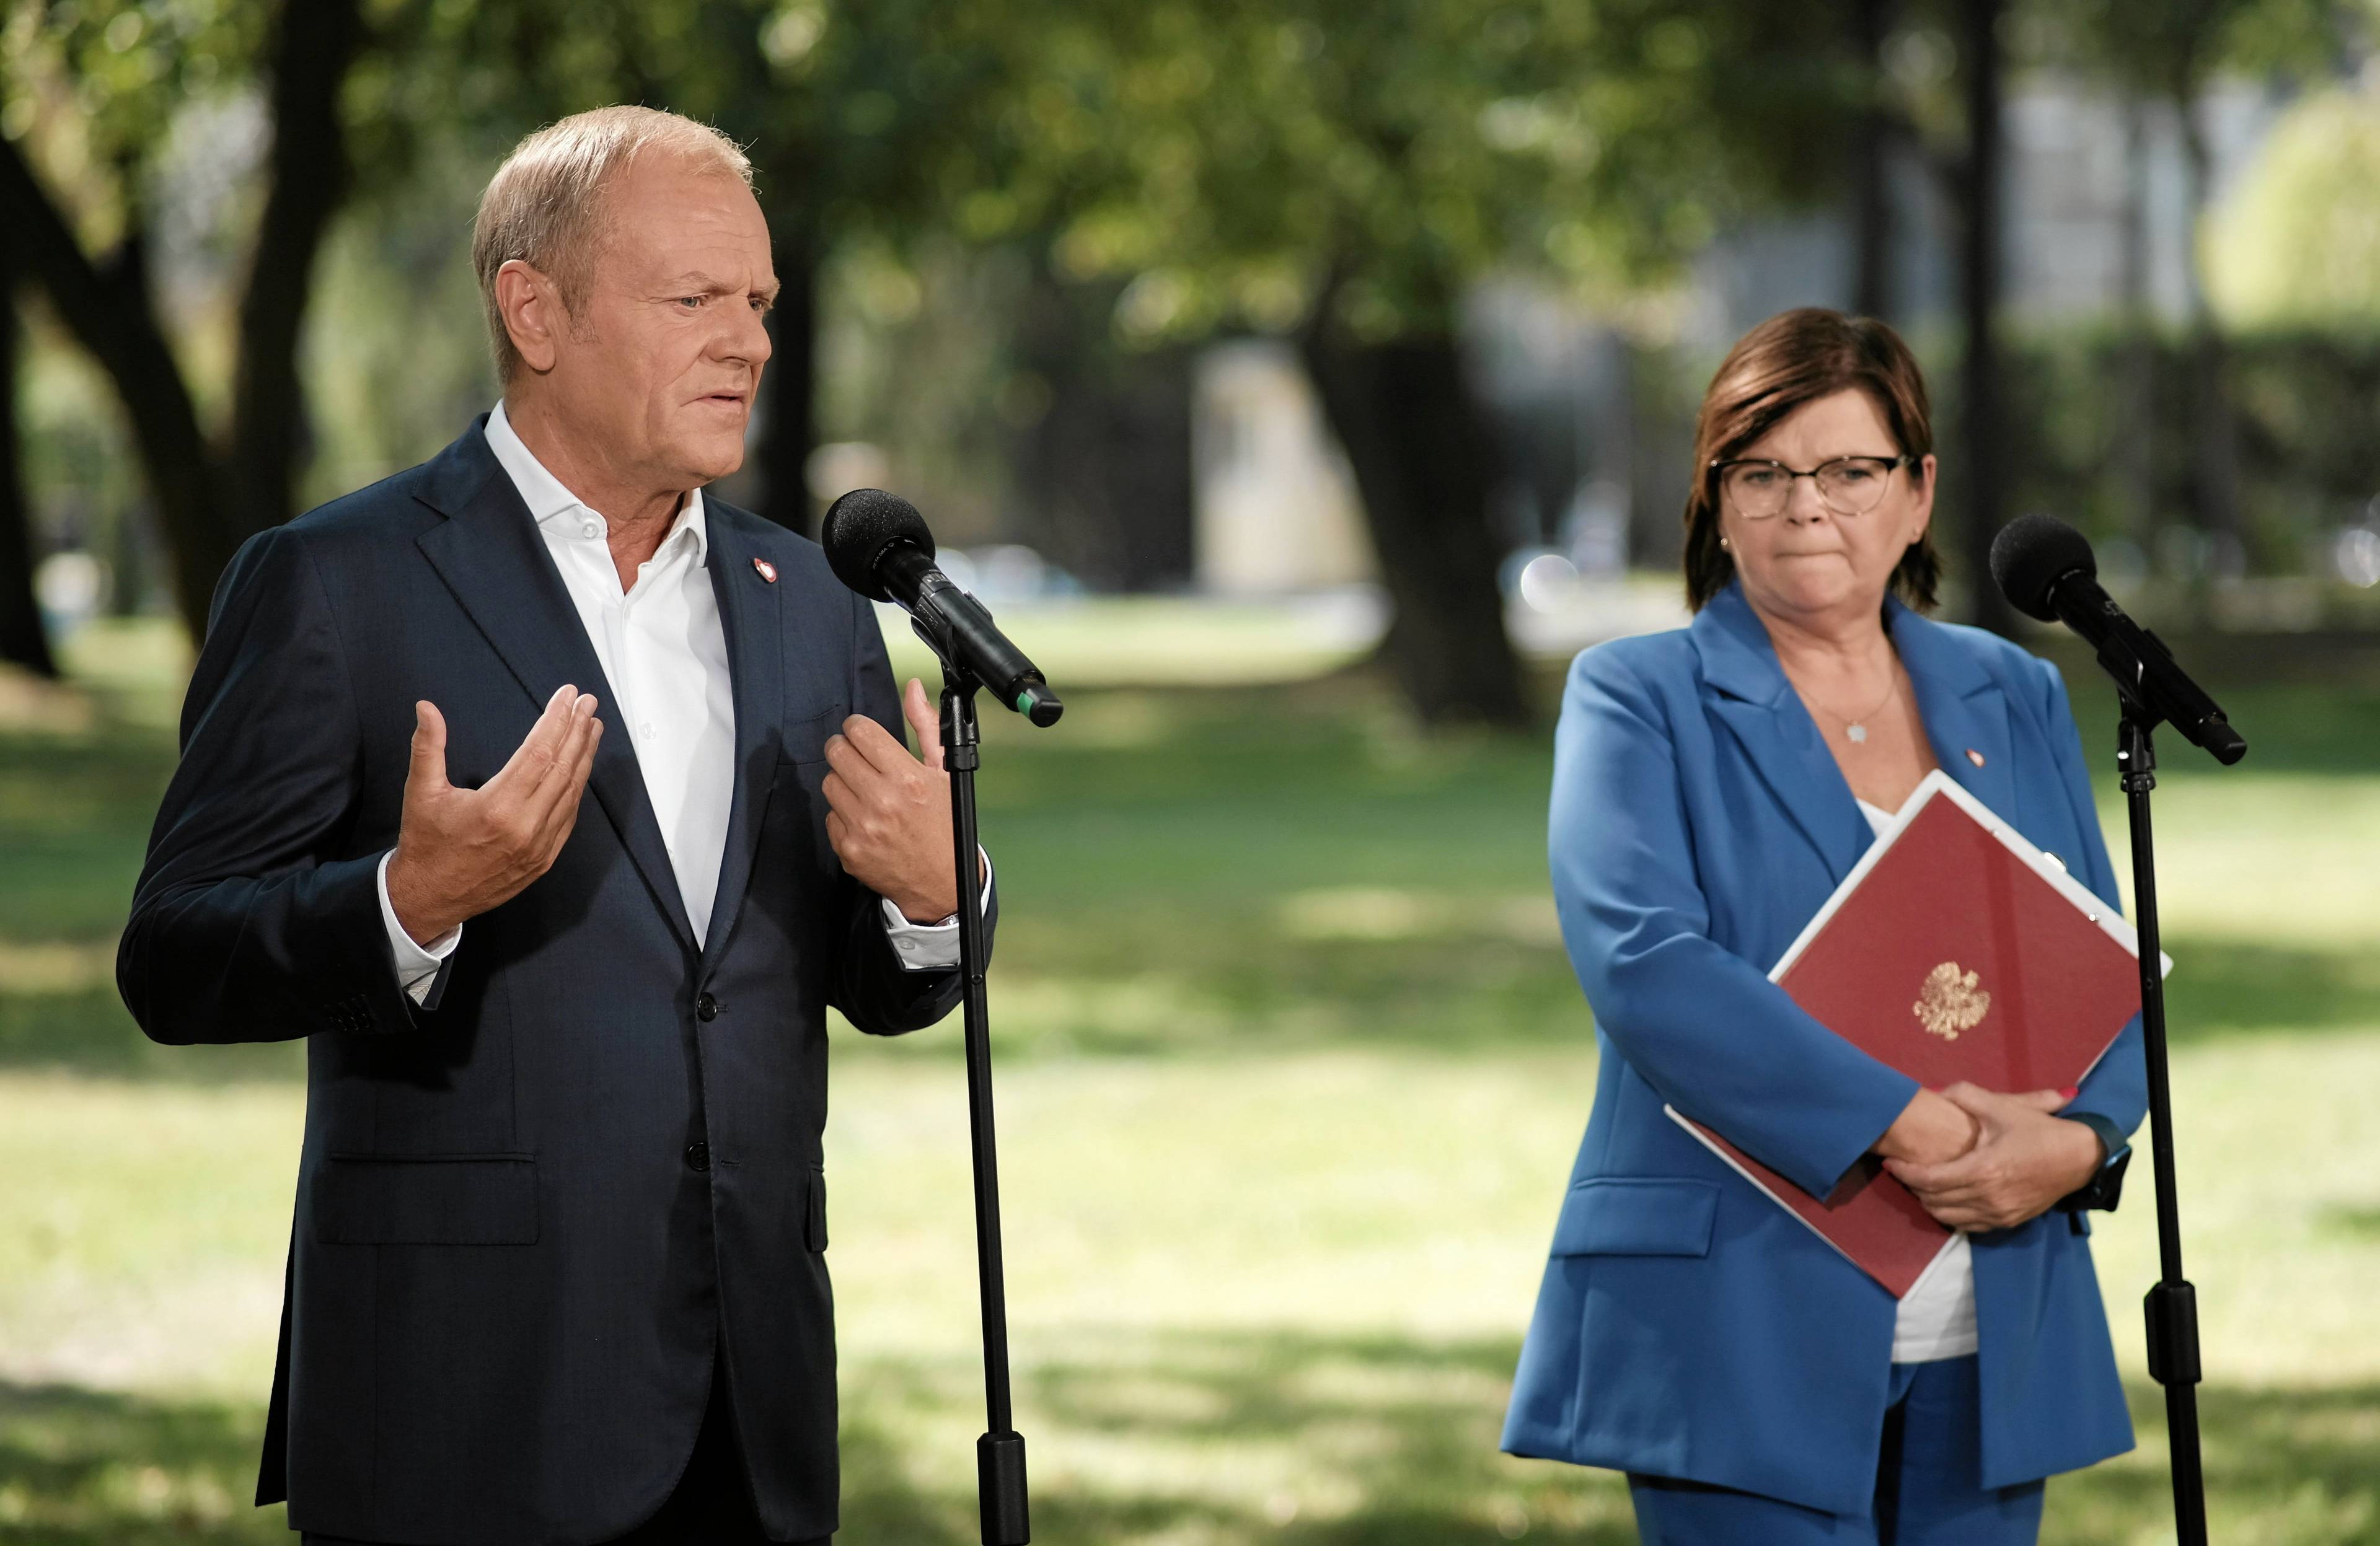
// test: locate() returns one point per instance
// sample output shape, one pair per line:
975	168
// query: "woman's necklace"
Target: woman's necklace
1857	729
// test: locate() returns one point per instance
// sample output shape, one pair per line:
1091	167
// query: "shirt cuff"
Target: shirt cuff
930	947
417	965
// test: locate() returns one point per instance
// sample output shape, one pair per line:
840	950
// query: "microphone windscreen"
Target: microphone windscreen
2032	553
860	526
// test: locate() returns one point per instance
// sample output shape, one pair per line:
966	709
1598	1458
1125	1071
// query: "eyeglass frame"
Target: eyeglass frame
1720	465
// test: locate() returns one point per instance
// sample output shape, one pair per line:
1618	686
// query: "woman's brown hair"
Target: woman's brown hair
1796	357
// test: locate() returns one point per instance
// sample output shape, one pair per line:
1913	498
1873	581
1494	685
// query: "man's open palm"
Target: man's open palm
460	851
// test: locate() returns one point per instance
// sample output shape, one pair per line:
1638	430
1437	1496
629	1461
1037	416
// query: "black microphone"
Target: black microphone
878	544
2045	568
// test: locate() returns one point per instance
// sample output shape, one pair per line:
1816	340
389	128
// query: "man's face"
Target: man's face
662	358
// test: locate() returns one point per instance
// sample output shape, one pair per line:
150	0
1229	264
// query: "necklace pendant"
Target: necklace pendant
1857	732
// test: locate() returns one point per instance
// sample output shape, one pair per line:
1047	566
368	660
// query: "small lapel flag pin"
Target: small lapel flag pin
1974	756
768	572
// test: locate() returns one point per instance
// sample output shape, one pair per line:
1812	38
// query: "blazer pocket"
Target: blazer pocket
1616	1216
805	738
426	1200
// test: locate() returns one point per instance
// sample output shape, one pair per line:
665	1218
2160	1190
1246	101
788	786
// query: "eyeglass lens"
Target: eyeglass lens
1849	485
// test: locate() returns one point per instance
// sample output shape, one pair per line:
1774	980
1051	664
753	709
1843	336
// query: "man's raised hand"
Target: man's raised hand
889	814
460	851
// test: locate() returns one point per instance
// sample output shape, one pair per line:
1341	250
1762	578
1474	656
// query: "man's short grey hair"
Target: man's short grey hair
545	205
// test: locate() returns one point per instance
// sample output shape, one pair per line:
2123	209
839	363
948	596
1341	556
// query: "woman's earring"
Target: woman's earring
1722	543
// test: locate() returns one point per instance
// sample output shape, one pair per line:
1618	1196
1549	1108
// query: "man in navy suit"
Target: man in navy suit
556	1272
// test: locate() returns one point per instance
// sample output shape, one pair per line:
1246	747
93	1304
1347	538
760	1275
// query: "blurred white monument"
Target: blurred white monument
1275	504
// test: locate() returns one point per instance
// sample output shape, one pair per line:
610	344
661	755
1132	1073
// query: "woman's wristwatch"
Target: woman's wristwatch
2105	1187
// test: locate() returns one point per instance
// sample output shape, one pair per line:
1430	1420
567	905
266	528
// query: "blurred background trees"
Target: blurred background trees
1422	291
113	79
1293	376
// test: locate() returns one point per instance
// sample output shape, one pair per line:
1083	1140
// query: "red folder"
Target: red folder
1955	950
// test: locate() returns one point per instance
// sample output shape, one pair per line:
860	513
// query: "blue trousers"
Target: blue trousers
1929	1487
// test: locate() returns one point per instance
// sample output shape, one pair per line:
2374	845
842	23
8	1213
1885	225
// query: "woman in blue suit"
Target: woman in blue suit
1711	788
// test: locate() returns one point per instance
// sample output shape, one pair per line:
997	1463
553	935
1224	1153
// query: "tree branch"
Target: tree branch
111	313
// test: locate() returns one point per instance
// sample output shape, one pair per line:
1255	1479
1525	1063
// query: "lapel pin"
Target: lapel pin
1974	756
768	572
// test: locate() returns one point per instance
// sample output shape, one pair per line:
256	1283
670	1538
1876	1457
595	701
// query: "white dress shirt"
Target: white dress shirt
1936	1317
664	654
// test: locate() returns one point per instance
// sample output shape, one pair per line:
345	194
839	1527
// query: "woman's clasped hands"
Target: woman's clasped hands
2019	1157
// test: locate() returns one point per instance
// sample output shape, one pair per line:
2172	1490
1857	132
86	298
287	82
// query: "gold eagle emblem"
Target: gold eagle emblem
1951	1002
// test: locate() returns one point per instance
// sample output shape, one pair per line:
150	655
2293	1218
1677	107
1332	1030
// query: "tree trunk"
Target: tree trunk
307	180
1103	478
1871	165
1983	447
207	500
108	307
2134	458
789	427
1421	464
2215	434
22	641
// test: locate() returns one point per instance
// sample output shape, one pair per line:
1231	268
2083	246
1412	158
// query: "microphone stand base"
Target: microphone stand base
1000	1483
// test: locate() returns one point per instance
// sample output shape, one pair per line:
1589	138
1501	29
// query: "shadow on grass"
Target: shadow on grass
1392	1443
91	1032
81	1468
2284	1466
1306	1440
1230	986
1291	868
2223	988
2301	711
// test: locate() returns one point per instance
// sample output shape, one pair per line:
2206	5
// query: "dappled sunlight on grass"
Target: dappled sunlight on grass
81	1466
141	1230
2274	1139
1237	1437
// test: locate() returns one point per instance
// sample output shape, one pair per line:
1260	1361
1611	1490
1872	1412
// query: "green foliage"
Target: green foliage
1240	161
2170	49
2297	244
396	352
858	117
2308	460
110	75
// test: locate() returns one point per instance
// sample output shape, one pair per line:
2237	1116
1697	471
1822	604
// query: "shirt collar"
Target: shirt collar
549	502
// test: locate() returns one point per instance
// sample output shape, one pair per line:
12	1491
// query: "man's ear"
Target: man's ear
530	304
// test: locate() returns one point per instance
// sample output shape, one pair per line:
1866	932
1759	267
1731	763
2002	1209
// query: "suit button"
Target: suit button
697	1156
706	1008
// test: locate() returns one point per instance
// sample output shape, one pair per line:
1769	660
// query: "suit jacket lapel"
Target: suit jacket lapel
752	617
490	555
1966	713
1760	707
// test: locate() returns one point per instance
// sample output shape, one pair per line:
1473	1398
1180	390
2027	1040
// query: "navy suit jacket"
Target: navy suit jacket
507	1277
1688	1326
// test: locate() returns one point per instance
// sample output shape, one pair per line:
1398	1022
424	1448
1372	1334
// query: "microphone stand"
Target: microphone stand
999	1453
2172	1305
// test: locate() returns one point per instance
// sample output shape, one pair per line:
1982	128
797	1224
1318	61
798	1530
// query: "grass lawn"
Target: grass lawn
1291	1069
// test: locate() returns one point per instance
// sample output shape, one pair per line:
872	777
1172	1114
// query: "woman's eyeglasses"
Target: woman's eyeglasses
1848	485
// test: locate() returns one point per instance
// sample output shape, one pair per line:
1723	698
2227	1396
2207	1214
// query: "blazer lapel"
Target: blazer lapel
752	617
1966	713
490	555
1760	707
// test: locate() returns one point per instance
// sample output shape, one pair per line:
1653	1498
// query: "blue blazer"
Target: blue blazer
1688	1326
